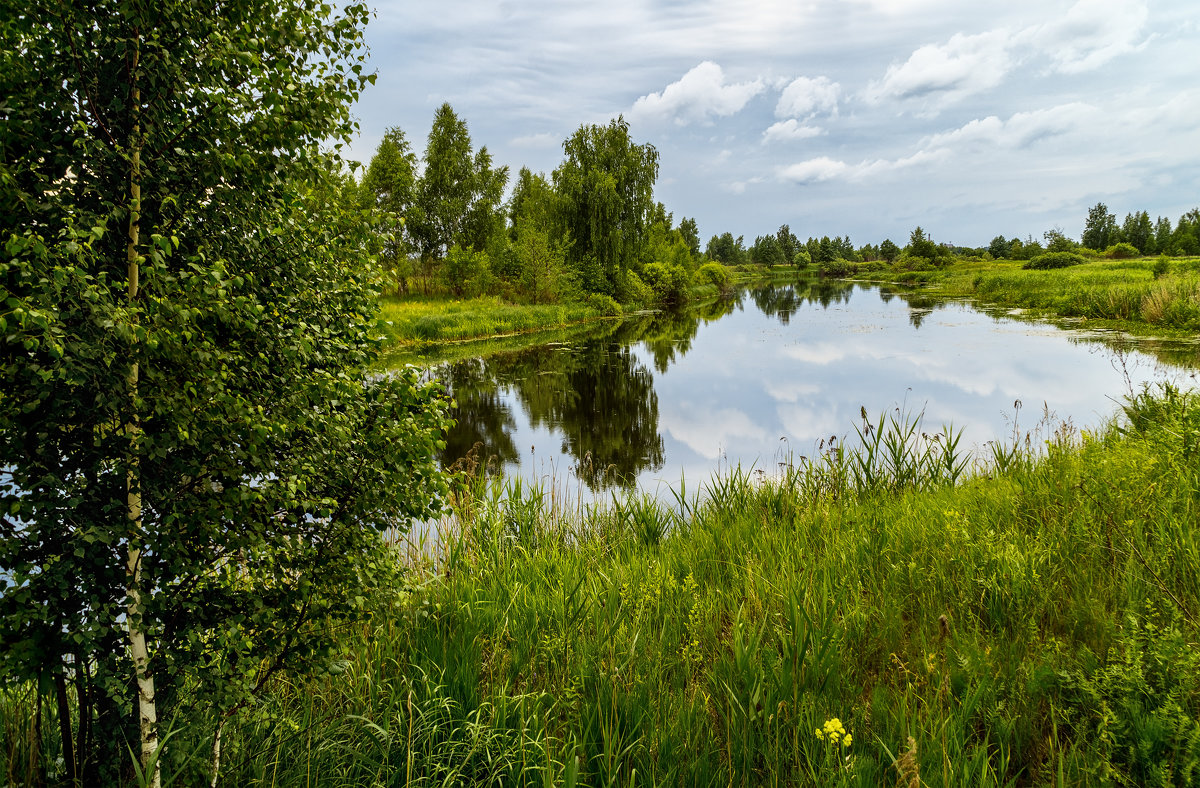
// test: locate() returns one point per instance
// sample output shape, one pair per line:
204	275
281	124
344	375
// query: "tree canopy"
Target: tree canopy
195	466
606	187
389	186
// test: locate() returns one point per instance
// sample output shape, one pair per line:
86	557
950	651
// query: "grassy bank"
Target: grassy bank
413	324
1157	294
859	621
419	321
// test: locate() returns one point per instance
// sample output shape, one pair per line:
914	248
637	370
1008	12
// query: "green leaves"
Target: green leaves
606	184
230	392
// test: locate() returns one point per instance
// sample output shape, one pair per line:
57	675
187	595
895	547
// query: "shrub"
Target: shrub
630	289
916	263
1121	251
1161	265
466	273
713	274
605	305
1053	260
835	268
669	283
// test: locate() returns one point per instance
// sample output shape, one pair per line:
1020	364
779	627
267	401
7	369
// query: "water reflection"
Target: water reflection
775	370
597	396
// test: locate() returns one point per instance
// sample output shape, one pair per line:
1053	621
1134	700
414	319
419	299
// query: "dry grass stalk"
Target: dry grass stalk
909	770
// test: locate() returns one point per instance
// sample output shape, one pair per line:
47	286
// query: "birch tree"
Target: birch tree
194	468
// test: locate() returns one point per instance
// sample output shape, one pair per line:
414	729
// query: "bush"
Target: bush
835	268
466	273
1053	260
1121	251
605	305
669	283
713	274
631	289
916	263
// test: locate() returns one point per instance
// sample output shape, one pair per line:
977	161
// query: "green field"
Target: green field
424	321
1161	295
415	326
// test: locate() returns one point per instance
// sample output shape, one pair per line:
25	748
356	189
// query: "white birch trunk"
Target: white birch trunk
147	710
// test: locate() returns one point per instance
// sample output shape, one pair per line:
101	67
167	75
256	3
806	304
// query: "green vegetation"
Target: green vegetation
860	620
591	234
1054	260
195	466
422	321
1160	294
1106	277
414	324
199	469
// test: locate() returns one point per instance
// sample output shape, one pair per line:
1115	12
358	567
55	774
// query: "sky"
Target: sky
838	117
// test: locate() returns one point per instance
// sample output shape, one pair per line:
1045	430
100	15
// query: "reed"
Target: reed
1161	293
417	321
964	620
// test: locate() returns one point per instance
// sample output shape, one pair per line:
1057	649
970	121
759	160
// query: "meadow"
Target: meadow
901	614
1161	294
418	321
424	325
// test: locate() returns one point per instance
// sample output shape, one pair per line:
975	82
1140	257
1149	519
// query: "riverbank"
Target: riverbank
868	619
1148	295
412	325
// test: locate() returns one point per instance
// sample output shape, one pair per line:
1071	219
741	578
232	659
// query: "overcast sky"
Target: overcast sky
859	117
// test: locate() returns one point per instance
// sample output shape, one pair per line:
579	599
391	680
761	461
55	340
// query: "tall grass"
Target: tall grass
966	623
417	321
1163	292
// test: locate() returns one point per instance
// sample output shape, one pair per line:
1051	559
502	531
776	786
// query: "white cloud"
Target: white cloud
1019	131
899	8
707	432
805	97
1091	33
823	168
815	170
535	141
821	353
514	70
790	130
739	187
699	96
980	137
1181	111
790	391
942	74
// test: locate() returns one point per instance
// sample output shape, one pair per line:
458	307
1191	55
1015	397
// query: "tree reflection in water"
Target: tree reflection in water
481	417
596	393
596	396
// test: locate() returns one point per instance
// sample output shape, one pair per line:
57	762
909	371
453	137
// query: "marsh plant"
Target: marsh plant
935	620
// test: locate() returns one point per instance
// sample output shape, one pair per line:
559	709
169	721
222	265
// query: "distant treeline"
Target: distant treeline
1102	235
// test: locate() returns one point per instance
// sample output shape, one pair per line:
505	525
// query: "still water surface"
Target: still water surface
772	373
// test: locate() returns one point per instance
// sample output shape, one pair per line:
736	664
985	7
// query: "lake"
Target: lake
779	372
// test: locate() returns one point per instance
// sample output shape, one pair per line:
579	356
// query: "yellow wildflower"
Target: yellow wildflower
834	732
